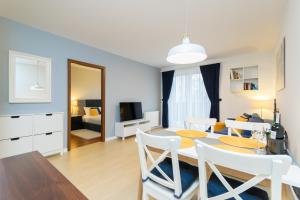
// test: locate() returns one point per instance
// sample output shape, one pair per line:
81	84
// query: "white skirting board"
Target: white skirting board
110	138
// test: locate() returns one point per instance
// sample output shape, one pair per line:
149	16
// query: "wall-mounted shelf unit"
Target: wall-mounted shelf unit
244	79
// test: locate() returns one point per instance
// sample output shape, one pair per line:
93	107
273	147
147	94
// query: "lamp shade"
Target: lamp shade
262	104
186	53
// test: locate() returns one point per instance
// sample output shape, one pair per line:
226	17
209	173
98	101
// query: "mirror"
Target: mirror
29	78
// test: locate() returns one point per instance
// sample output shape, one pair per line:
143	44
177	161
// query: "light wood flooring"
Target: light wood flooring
106	171
76	142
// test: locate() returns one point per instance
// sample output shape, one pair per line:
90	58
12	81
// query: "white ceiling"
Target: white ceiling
144	30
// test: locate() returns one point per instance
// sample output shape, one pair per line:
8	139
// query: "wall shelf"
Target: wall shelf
244	79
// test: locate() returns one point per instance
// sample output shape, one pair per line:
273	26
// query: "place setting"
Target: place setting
229	143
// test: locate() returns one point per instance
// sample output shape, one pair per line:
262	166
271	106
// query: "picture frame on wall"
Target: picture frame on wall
280	66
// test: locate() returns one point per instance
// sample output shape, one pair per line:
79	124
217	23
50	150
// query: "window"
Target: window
188	97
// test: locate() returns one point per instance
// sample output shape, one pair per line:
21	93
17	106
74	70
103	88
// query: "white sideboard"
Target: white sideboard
153	117
35	132
128	128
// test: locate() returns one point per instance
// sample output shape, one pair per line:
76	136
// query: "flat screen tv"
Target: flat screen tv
130	111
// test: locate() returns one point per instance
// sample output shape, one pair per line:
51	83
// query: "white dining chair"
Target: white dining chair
221	187
164	178
250	126
201	123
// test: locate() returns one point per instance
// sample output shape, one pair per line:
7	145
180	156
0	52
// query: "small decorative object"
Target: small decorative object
29	78
244	78
280	67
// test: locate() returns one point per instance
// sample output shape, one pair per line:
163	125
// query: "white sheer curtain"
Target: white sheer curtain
188	97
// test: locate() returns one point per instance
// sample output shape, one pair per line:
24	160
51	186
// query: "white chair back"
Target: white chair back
262	166
251	126
169	145
202	123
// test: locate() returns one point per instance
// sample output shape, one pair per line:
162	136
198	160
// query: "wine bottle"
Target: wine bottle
277	131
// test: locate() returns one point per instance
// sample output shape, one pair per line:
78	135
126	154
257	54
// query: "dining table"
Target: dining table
187	153
32	176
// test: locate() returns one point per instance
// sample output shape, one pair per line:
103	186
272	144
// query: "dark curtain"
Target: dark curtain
211	78
167	80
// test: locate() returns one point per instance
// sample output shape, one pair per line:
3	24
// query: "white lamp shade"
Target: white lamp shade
186	53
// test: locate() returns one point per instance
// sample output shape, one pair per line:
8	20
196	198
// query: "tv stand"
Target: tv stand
128	128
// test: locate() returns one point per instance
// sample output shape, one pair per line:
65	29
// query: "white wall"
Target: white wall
289	98
85	82
234	104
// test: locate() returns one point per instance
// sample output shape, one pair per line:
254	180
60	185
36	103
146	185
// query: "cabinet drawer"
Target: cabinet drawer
130	130
145	126
48	142
48	123
15	146
15	126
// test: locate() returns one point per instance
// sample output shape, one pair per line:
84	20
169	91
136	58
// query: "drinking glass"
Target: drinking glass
260	137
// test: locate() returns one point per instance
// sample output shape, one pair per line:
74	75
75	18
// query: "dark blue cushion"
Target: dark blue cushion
215	188
224	131
256	119
247	133
188	173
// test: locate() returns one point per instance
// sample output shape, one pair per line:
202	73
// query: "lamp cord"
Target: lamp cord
186	18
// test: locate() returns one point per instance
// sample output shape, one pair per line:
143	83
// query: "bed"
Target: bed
90	122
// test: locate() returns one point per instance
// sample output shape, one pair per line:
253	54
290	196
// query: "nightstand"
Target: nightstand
76	122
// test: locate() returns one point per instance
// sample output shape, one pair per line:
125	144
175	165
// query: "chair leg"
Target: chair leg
145	196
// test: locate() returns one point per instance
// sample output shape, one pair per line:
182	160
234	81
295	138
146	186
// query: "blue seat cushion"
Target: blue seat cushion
215	188
224	131
244	133
188	173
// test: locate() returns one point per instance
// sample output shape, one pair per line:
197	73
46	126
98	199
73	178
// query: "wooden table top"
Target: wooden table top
31	176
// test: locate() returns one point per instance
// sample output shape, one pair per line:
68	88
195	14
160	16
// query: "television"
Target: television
130	111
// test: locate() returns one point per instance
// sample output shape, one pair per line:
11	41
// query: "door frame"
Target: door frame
103	75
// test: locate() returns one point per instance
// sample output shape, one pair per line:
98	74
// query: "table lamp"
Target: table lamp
262	104
74	104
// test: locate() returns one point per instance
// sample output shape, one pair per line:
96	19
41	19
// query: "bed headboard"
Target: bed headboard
88	103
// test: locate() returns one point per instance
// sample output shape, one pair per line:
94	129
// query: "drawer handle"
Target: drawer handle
49	114
14	139
50	133
14	117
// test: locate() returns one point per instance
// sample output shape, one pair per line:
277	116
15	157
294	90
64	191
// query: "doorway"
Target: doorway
86	104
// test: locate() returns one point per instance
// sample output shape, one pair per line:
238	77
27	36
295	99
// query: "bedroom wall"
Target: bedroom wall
126	80
289	97
234	104
85	83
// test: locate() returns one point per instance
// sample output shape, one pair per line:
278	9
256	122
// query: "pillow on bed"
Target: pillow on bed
94	112
86	110
91	111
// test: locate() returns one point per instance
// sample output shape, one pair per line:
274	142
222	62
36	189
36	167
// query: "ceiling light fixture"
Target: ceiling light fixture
187	52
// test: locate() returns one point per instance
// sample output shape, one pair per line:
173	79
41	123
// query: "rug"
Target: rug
86	134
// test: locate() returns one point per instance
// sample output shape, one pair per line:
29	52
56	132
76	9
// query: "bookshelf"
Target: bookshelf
244	79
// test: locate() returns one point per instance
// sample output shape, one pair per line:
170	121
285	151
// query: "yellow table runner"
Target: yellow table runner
241	142
186	143
233	149
191	133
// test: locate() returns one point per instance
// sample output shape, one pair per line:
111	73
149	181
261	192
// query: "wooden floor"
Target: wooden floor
107	171
79	142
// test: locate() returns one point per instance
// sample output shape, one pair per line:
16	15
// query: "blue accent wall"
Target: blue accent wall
126	80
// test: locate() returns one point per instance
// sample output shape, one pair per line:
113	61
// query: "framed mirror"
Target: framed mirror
29	78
